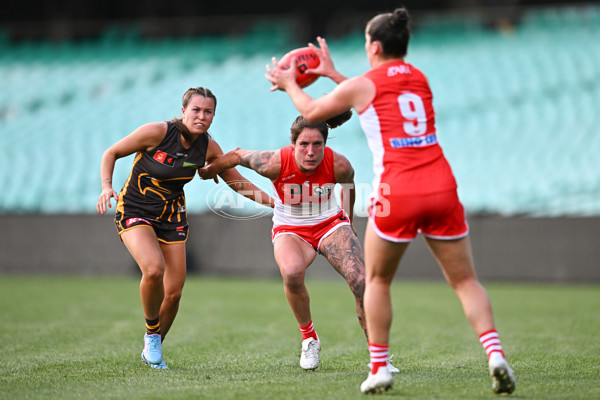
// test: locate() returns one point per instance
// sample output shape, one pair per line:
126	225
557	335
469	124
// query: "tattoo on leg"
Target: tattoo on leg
343	251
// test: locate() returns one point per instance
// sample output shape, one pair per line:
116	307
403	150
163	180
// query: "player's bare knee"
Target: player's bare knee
294	280
153	273
462	282
357	285
379	279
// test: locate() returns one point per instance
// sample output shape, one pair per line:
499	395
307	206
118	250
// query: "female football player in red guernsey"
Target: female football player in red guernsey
414	188
151	215
307	219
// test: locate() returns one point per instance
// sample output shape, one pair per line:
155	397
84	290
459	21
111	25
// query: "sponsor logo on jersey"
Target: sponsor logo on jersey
420	141
288	177
296	194
181	209
398	69
322	191
180	228
190	165
164	158
131	221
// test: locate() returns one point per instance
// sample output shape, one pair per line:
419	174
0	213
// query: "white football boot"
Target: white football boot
502	375
309	358
377	383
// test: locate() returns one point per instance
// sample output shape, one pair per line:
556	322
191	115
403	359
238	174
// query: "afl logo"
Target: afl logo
224	201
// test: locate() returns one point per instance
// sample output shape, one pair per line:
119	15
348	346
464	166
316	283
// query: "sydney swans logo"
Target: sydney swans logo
223	200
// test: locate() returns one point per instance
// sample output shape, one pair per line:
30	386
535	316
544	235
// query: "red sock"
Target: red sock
379	355
491	343
308	331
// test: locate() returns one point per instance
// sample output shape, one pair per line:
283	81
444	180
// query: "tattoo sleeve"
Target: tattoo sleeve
257	160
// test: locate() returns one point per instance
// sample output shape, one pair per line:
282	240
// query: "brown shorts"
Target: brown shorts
166	232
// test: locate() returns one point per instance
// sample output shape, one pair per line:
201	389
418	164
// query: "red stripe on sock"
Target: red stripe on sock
379	354
308	331
488	332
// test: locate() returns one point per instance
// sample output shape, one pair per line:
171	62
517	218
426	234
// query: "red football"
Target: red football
305	58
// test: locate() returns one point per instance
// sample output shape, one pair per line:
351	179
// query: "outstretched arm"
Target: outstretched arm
355	93
223	165
244	187
265	163
219	164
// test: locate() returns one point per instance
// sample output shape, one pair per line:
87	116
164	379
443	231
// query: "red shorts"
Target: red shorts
312	234
400	219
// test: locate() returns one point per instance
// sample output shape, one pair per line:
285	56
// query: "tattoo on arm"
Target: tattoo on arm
257	160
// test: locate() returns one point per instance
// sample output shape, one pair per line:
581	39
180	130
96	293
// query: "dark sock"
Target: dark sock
152	327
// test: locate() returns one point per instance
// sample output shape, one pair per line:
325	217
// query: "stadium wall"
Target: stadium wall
505	249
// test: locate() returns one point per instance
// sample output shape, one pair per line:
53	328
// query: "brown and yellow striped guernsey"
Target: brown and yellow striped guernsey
154	188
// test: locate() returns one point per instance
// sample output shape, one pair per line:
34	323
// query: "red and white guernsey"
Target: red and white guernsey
400	128
302	199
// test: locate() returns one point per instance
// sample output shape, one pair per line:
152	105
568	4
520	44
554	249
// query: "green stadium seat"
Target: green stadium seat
516	111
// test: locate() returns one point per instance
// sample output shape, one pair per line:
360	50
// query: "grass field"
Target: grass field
81	338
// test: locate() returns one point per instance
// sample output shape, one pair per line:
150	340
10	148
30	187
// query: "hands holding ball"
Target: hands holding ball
303	66
303	59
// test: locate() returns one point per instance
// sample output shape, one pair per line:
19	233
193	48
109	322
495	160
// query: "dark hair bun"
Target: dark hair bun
400	18
338	120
